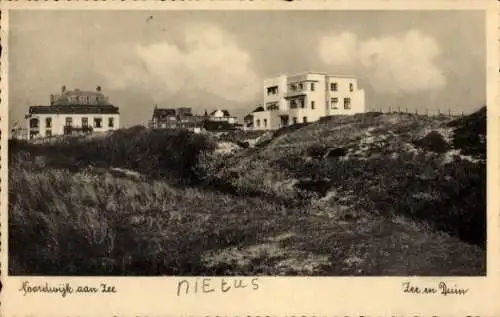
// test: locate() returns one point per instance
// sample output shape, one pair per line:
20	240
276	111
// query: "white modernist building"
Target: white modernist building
306	97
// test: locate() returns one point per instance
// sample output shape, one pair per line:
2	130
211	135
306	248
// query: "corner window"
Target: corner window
347	103
313	104
98	122
111	122
272	90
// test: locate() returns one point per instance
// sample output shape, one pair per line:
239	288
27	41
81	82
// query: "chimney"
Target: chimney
63	89
98	89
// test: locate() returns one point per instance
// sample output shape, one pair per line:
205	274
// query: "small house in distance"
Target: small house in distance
176	118
221	120
222	116
72	111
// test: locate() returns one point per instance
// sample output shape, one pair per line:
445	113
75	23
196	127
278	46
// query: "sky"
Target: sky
218	59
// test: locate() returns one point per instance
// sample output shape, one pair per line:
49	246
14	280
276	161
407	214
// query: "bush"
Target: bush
171	154
470	133
434	142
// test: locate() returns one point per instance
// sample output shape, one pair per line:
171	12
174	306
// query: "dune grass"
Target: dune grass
366	201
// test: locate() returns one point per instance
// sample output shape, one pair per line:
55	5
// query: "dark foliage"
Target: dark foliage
434	142
470	133
336	152
166	154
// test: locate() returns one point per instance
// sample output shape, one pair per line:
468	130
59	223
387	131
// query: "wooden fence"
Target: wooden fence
424	111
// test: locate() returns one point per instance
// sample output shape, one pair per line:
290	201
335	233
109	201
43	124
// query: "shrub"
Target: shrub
171	154
434	142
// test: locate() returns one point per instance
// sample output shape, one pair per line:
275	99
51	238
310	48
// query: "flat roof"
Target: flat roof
74	109
314	73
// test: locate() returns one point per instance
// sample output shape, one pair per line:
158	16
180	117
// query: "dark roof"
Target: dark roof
162	113
78	92
259	109
74	109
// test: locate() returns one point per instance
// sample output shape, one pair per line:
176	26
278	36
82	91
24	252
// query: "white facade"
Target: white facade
307	97
45	125
219	115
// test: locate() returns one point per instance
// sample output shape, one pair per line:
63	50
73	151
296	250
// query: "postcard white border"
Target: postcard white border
277	296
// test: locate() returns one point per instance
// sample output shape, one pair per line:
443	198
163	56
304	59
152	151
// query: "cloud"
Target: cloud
208	62
392	63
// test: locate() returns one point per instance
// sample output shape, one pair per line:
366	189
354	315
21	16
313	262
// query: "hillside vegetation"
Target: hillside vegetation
371	194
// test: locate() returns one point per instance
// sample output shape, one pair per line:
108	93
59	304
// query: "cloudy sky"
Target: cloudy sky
211	59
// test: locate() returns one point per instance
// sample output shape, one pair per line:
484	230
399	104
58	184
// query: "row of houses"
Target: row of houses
287	100
81	112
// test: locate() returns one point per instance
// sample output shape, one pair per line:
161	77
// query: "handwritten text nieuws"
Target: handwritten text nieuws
441	289
65	289
211	285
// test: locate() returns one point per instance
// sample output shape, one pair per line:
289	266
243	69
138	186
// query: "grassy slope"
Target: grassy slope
263	224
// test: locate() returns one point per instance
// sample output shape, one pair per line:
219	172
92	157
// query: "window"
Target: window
301	103
351	87
272	106
334	103
293	87
69	121
111	122
48	123
313	104
304	119
34	123
301	86
294	120
333	87
293	104
265	123
48	133
98	122
258	122
312	87
347	103
85	122
272	90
